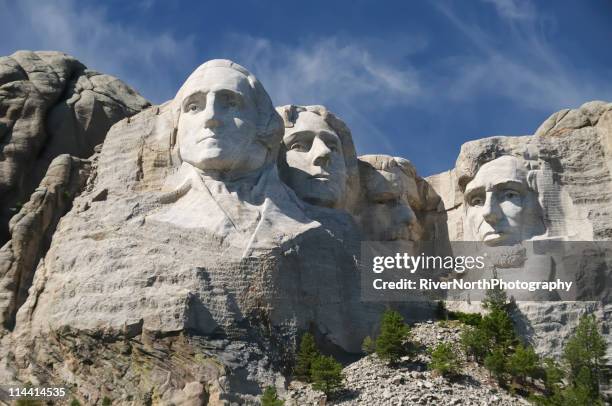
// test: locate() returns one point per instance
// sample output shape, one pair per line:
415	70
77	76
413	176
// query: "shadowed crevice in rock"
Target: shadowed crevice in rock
51	104
32	230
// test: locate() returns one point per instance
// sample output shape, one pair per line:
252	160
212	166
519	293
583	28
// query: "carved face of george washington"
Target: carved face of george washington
217	125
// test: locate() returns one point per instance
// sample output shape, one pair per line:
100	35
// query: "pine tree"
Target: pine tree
495	362
553	375
498	328
475	343
523	362
270	397
368	346
444	360
307	353
495	299
326	374
586	348
581	391
584	354
393	331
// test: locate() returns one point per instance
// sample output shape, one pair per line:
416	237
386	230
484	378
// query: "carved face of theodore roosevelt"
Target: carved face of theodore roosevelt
390	188
501	208
217	126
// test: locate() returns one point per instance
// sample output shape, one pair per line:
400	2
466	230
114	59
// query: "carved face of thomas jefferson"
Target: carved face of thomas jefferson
501	209
315	167
217	126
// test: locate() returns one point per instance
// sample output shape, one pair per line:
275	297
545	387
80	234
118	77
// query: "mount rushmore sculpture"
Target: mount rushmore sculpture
208	233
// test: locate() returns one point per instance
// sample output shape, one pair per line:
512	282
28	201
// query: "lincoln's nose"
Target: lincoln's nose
491	211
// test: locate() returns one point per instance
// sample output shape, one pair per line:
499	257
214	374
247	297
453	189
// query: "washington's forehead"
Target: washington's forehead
215	79
311	122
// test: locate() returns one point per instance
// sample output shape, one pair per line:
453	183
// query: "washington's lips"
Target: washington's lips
206	136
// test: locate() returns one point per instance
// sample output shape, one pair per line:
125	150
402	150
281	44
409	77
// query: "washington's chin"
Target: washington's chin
218	162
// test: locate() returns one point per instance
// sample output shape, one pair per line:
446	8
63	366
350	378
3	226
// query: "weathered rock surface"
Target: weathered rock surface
114	271
185	270
32	230
51	104
572	150
570	158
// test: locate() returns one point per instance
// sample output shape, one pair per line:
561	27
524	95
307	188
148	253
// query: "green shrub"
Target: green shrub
307	353
553	375
495	362
393	331
498	328
106	401
470	319
475	343
270	397
368	346
585	349
444	360
326	374
523	363
495	299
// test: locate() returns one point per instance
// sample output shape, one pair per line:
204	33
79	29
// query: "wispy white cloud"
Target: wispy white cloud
145	60
324	70
513	9
348	76
523	65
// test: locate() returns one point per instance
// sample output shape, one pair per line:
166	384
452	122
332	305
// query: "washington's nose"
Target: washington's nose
491	210
211	119
321	153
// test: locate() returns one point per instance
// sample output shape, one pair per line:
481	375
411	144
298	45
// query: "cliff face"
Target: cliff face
142	275
570	158
51	104
54	111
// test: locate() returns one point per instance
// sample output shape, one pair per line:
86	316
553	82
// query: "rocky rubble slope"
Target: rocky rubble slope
370	381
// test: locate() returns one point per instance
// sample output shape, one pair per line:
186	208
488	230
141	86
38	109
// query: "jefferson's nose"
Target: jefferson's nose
321	153
211	112
491	210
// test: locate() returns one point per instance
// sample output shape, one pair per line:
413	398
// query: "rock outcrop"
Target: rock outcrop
568	162
51	104
55	111
186	267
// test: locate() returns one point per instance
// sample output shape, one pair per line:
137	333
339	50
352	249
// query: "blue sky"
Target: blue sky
411	78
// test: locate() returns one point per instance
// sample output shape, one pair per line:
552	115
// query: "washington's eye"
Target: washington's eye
193	107
476	201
